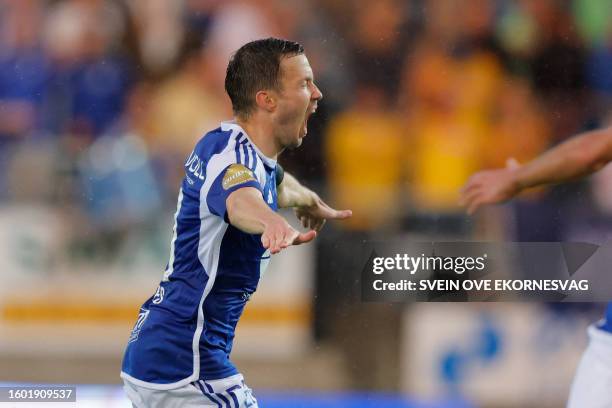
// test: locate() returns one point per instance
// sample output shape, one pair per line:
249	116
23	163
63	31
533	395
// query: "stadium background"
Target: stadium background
101	102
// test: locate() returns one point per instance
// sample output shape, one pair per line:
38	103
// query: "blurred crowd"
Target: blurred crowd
102	100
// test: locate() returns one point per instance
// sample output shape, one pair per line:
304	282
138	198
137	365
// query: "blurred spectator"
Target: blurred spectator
448	116
24	74
477	31
365	150
182	110
120	190
24	70
558	67
241	21
160	32
90	80
377	44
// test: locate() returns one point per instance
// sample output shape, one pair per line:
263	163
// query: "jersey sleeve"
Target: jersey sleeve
231	178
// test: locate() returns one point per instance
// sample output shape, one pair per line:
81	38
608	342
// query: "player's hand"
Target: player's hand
490	186
278	235
314	216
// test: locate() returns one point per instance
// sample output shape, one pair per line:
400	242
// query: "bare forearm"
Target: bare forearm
579	156
292	194
248	212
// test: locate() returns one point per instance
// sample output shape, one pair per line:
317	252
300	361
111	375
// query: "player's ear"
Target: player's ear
265	100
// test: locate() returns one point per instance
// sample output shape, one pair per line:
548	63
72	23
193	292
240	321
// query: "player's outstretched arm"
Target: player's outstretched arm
247	211
309	208
576	157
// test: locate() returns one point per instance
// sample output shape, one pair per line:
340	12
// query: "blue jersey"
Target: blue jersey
606	323
184	332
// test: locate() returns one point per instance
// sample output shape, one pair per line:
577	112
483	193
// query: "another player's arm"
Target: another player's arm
576	157
309	208
247	211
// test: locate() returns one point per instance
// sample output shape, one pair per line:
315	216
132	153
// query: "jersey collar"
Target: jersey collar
232	125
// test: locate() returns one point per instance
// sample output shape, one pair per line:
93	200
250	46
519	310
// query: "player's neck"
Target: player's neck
261	135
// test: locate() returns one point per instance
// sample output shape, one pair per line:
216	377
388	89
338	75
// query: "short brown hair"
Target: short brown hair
256	66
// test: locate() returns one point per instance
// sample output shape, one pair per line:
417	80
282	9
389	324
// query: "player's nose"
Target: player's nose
317	95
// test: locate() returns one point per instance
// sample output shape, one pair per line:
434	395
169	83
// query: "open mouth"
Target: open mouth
309	112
